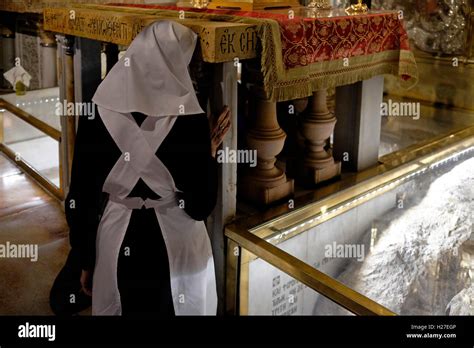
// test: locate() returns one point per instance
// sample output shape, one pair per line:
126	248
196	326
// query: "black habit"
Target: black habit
143	270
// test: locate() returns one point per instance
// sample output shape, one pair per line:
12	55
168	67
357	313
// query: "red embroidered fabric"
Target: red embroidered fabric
308	40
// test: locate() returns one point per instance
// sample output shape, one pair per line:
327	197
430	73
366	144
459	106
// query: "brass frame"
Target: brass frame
253	236
52	132
31	120
470	34
422	57
308	275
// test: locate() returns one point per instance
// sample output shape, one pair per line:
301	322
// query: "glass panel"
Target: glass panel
34	147
399	132
41	103
273	292
408	246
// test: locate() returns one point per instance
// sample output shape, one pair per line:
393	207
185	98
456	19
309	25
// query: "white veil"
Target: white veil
152	77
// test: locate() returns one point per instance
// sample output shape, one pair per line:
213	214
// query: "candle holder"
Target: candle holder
320	5
360	7
199	3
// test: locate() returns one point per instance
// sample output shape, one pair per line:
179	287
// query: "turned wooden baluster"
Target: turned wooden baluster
265	183
318	124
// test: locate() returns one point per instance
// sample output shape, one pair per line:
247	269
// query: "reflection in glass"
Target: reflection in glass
28	143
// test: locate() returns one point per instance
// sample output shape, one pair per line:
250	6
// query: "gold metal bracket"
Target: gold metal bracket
199	3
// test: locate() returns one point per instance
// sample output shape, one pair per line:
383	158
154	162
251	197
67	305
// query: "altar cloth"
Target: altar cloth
300	54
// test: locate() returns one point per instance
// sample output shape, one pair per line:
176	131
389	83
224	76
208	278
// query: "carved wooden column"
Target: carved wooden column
318	124
70	97
265	183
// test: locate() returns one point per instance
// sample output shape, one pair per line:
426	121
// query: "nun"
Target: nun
144	179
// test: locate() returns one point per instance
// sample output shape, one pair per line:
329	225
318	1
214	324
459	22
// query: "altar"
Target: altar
301	52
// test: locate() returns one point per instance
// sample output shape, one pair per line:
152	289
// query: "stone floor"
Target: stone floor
28	215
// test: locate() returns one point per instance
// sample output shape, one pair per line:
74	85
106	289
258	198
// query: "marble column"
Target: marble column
8	54
48	59
357	134
265	183
317	164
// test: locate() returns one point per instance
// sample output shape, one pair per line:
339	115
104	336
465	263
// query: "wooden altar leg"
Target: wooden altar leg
66	93
265	183
318	124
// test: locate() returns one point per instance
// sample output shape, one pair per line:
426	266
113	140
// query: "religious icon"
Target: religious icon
199	3
357	8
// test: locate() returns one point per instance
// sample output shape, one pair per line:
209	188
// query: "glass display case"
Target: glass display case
402	239
31	129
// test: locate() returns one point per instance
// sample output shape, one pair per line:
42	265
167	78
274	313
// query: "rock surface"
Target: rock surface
423	262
